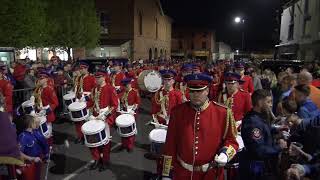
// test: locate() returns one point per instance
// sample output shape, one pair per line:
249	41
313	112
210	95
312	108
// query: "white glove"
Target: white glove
221	160
166	178
32	99
101	117
238	123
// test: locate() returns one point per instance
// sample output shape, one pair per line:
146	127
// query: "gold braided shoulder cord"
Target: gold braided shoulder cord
124	98
37	95
230	122
97	93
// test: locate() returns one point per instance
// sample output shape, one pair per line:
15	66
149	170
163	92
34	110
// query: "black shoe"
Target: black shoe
129	150
94	165
103	166
78	140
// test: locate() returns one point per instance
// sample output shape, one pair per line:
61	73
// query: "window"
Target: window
180	44
306	7
140	23
192	45
157	28
204	45
306	20
104	22
290	35
205	35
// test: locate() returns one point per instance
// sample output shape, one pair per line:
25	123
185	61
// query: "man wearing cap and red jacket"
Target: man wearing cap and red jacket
247	84
129	99
165	99
46	99
186	69
188	152
84	83
235	98
117	75
19	72
6	89
103	96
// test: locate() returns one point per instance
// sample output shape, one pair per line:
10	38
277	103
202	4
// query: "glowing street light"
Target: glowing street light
237	19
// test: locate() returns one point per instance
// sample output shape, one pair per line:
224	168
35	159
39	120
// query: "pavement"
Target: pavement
71	161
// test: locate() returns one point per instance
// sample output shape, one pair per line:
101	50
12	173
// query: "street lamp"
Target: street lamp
239	20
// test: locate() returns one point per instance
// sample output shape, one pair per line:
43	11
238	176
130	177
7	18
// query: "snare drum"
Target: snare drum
157	138
78	111
126	125
96	133
150	80
28	107
46	130
69	98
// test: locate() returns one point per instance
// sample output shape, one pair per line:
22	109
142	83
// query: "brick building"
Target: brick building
132	29
193	42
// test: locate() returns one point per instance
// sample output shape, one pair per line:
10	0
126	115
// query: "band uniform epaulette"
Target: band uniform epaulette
218	104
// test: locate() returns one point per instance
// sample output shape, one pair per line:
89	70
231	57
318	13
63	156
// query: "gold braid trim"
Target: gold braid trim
37	95
96	97
230	122
10	160
229	102
167	166
124	98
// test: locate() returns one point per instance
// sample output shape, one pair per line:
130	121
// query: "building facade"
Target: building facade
136	29
300	30
193	43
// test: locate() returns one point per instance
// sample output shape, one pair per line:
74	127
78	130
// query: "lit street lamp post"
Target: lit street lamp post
239	20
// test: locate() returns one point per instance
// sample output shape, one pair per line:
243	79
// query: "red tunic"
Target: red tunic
214	91
175	98
316	83
19	72
7	91
240	103
89	82
49	97
108	98
132	97
183	143
117	78
248	84
182	87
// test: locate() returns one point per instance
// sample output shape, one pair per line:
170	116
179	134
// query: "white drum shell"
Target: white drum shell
45	131
96	127
27	104
158	135
125	121
81	107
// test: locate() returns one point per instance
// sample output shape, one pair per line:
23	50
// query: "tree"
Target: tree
23	23
73	24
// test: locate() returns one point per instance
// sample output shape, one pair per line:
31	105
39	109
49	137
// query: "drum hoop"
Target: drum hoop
69	96
153	132
91	133
106	140
124	125
27	104
127	135
78	108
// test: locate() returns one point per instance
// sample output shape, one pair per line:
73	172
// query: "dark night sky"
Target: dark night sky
260	19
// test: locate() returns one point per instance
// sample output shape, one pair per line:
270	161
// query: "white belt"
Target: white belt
189	167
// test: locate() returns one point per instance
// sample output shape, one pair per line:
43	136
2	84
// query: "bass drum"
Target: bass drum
150	80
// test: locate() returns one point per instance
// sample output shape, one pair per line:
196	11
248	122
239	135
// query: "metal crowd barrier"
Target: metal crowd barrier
22	95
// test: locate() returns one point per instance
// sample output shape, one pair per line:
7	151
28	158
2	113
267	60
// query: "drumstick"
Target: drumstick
47	169
161	125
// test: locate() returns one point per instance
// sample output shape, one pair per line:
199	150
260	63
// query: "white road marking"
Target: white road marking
75	173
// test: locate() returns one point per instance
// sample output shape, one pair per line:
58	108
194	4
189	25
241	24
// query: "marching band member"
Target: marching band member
6	89
32	143
103	96
46	99
129	98
83	83
165	99
188	152
117	75
235	98
186	69
247	80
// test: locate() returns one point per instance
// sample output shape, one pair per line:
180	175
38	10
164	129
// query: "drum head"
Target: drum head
125	120
27	104
240	142
69	96
153	81
77	106
93	127
158	135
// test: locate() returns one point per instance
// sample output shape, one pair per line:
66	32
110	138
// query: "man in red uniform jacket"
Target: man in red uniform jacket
129	99
85	83
188	152
247	80
165	99
186	69
6	89
46	100
103	96
235	98
117	75
19	72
